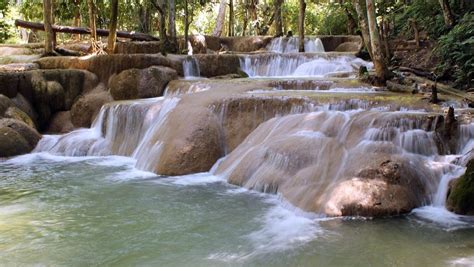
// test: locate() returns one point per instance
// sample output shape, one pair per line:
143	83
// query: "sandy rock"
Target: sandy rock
218	65
191	144
8	51
104	66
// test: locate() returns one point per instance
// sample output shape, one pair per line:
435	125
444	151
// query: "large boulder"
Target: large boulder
144	83
383	191
218	65
24	105
16	138
86	108
12	143
191	143
461	193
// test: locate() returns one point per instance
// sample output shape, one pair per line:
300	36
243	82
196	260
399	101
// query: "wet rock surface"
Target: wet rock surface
461	192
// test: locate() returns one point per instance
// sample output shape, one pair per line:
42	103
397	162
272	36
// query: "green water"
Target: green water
100	211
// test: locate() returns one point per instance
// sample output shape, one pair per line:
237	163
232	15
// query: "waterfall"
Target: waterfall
308	157
190	68
291	45
127	128
299	65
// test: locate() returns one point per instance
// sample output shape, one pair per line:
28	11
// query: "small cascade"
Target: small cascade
311	158
180	88
291	45
299	65
129	128
191	68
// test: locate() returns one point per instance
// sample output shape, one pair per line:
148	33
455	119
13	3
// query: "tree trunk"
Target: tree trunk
220	19
447	14
231	18
364	27
113	27
301	25
77	17
351	24
160	5
278	18
245	17
416	32
186	24
48	19
172	22
92	26
381	69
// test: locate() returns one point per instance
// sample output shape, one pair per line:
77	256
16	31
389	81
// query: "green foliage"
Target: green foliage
428	15
321	18
7	14
4	34
456	50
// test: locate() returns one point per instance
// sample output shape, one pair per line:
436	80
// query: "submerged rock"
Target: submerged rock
461	193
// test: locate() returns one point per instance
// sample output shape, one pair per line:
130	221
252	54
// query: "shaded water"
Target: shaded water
102	211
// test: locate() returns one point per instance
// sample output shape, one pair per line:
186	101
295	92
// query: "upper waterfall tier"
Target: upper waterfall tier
301	65
291	45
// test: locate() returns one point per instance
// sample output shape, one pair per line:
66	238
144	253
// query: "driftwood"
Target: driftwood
442	87
417	72
80	30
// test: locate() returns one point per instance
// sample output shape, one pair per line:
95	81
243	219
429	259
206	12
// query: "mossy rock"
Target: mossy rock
5	103
18	114
31	136
12	143
461	195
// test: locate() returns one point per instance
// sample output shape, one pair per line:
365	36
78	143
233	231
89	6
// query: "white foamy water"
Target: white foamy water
299	65
291	45
130	128
191	68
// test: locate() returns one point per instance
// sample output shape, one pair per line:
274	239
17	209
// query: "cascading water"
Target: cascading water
190	68
129	128
299	65
291	44
311	159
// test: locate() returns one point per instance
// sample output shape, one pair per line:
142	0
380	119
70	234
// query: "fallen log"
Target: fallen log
138	36
442	87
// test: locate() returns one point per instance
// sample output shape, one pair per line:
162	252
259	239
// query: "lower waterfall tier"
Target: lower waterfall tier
332	159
